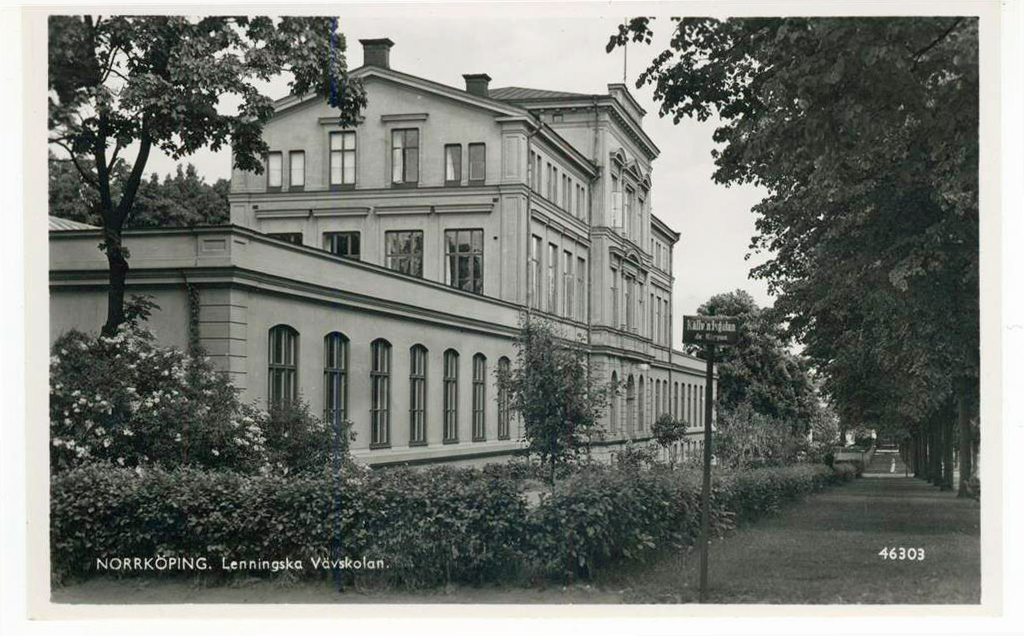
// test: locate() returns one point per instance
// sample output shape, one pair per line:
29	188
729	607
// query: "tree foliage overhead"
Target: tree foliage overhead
143	82
864	132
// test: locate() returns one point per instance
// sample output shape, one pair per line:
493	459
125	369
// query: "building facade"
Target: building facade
380	271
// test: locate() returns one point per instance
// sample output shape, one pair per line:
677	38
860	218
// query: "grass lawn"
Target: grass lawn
825	550
821	550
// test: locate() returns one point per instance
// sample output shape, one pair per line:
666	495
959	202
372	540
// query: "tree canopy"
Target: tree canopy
184	199
145	82
864	132
759	369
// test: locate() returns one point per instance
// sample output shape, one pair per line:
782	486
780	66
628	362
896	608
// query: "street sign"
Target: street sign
710	330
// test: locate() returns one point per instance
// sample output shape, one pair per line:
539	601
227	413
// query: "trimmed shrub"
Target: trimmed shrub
429	527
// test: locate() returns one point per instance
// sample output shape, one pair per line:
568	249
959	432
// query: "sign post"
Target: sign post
708	331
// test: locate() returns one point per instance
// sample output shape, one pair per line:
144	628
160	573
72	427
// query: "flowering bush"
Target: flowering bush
125	400
128	401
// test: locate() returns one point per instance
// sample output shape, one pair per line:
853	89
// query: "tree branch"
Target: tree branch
943	36
85	175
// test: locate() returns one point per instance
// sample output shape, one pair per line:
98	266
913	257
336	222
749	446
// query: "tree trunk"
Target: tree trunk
947	453
118	276
935	451
966	452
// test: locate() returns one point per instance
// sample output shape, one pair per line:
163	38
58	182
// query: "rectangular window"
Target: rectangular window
453	164
479	397
451	396
568	285
297	169
615	298
552	278
553	197
343	159
627	203
627	291
537	174
380	394
579	201
418	395
657	334
534	272
290	237
464	257
342	243
404	250
477	163
581	289
547	181
274	170
405	156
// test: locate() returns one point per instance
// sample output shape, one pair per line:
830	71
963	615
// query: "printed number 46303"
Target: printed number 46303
902	554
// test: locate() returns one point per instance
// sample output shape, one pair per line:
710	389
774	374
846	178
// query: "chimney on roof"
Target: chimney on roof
376	52
476	84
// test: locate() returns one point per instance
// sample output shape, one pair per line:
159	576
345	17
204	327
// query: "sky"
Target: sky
567	52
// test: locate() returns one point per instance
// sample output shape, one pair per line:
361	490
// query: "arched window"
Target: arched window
479	397
380	393
417	395
613	408
640	405
335	378
630	406
504	370
283	359
657	396
451	396
675	402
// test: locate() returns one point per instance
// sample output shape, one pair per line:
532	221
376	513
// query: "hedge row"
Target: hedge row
429	527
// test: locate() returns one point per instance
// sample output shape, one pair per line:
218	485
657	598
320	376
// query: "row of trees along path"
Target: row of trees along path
864	135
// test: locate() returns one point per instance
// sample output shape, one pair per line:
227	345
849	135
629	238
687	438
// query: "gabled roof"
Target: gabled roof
518	93
58	224
501	108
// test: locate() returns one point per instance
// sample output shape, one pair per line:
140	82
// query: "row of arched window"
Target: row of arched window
688	408
283	387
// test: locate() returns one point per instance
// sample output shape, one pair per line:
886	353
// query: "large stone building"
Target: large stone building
380	272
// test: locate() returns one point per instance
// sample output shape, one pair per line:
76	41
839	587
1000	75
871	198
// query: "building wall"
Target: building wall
247	282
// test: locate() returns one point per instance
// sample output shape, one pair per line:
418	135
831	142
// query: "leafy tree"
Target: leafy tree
156	81
179	201
759	369
864	132
745	438
555	390
667	431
